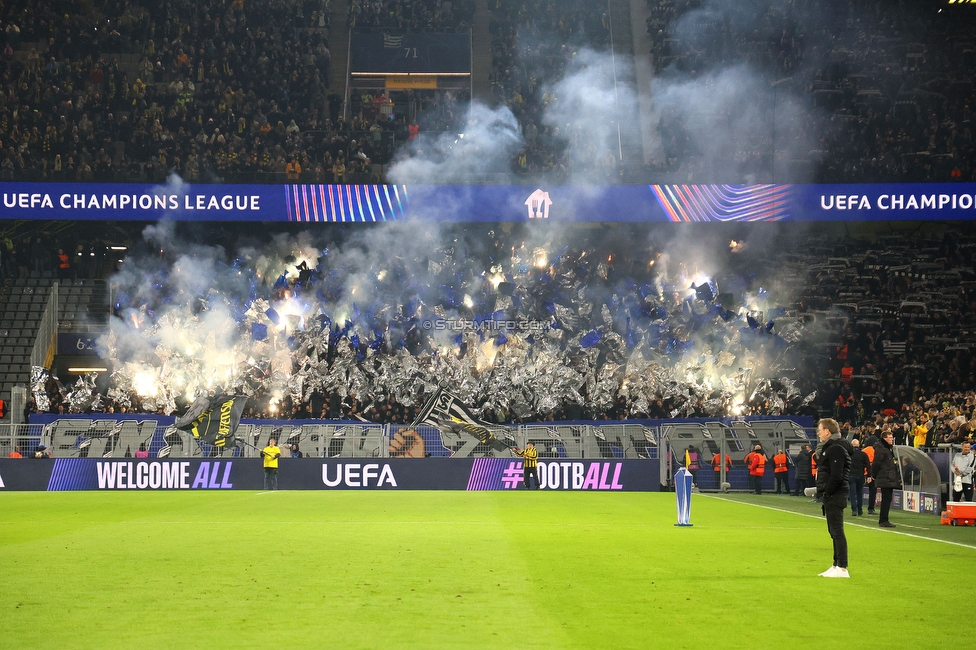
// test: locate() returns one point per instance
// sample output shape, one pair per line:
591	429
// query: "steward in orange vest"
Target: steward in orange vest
782	471
717	466
872	488
64	266
717	463
757	468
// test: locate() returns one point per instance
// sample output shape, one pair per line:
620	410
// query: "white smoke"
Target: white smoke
487	145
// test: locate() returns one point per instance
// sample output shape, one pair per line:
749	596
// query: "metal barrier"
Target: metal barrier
23	438
114	438
717	443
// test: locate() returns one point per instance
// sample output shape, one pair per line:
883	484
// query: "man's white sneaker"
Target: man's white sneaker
837	572
824	573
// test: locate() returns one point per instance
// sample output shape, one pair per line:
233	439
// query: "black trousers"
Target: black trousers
872	496
856	484
270	478
965	495
886	495
756	482
835	526
528	473
801	484
783	481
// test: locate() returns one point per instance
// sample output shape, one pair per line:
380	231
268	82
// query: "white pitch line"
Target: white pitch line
846	523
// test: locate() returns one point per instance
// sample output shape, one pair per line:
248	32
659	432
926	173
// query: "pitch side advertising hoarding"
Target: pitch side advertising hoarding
64	474
491	203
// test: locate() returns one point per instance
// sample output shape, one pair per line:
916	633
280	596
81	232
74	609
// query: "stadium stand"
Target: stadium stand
891	314
234	92
132	91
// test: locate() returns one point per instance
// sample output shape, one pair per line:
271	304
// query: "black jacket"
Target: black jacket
883	469
804	468
859	463
833	469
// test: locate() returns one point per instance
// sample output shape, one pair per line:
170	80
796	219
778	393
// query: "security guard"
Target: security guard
271	454
530	464
717	466
782	471
757	468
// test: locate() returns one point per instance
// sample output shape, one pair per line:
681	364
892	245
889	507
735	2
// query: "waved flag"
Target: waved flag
445	410
213	421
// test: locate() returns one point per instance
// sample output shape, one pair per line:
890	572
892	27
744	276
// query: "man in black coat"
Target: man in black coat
860	467
884	469
804	470
833	471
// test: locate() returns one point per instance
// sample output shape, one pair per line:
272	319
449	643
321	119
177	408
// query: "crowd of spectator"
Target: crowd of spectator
64	258
417	16
931	422
887	89
128	90
887	339
210	91
533	45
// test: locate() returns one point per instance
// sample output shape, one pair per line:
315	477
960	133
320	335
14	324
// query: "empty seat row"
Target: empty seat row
17	298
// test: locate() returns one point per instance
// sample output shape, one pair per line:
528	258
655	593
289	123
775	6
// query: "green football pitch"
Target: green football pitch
468	570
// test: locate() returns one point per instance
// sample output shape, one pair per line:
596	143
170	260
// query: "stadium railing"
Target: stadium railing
23	436
112	438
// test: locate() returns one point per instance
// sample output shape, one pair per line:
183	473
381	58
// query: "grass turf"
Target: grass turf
457	569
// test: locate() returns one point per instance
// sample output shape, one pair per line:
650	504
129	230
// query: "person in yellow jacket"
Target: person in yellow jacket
530	464
271	454
921	432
